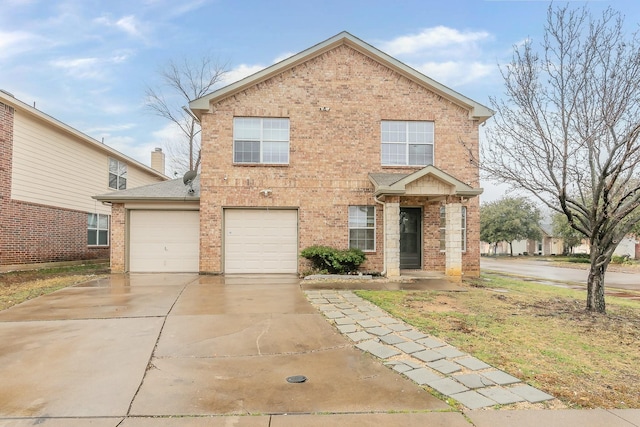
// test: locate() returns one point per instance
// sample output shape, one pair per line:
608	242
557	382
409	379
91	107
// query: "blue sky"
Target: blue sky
87	62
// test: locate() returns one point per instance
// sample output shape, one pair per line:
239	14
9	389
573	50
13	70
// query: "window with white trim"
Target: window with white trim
98	230
260	140
362	228
117	174
443	228
407	143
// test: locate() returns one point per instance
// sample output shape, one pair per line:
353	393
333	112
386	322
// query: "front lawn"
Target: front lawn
538	333
19	286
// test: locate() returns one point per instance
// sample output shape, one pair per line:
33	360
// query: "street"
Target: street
543	269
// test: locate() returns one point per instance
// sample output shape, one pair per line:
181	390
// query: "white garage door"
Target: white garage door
260	241
164	241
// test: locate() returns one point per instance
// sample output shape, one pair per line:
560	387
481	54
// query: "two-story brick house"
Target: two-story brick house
49	172
339	145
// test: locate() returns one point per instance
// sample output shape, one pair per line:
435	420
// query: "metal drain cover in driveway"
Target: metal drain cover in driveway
296	379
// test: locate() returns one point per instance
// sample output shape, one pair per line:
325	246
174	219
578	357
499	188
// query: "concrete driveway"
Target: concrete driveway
544	270
139	350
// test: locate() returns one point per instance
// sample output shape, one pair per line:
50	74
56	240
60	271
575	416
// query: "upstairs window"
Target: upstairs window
362	228
98	230
260	140
117	174
407	143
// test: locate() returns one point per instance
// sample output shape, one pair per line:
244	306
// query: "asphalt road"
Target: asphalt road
544	270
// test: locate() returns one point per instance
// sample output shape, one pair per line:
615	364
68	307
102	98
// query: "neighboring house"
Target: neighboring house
48	173
628	246
548	245
339	145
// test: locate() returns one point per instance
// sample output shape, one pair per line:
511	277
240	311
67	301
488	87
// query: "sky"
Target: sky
87	63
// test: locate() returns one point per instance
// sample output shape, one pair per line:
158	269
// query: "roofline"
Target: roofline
116	199
9	99
477	111
399	187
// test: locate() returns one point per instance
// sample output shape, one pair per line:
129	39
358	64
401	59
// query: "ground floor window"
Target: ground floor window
362	228
443	228
98	230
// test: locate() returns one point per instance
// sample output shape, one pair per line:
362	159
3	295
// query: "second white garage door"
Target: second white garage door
164	241
260	241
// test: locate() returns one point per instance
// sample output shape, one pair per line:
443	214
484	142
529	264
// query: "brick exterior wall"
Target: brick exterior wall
118	238
31	233
332	152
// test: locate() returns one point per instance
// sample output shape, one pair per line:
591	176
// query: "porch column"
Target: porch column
392	236
453	240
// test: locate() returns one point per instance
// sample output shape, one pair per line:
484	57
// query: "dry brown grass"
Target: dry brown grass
17	287
540	334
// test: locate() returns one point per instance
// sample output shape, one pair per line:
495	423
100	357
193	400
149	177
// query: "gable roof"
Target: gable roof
396	183
8	99
477	111
173	190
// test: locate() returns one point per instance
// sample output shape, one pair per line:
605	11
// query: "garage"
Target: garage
164	241
260	241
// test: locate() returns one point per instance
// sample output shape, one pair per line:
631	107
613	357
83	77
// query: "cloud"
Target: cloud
105	130
129	146
457	73
448	55
17	42
433	38
245	70
89	67
168	133
240	72
129	24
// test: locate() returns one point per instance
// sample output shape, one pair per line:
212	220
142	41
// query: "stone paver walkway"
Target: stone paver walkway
424	359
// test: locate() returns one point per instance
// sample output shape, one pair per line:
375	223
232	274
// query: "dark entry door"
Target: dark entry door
410	238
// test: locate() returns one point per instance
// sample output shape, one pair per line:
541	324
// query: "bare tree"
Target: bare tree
182	82
567	130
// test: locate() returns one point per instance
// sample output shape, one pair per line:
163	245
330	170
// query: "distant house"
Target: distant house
547	245
553	245
339	145
48	173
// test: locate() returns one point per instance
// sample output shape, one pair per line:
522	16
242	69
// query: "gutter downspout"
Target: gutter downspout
384	235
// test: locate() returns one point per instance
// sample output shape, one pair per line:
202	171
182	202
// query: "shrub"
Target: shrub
334	261
620	259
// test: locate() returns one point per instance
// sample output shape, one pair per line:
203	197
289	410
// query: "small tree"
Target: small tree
509	219
181	83
569	235
567	130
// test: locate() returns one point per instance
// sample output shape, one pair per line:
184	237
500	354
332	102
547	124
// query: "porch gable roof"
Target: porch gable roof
388	184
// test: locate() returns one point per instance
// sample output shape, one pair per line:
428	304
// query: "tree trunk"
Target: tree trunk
595	282
511	248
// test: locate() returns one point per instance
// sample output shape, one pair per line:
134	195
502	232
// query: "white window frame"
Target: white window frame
261	140
98	228
406	141
372	227
443	228
118	170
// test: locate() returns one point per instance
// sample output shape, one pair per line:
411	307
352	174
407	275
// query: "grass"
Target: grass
538	333
20	286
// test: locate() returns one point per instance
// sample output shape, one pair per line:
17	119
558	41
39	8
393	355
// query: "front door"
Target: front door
410	238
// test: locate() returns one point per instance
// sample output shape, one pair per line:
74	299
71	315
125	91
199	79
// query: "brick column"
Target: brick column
118	238
453	252
392	236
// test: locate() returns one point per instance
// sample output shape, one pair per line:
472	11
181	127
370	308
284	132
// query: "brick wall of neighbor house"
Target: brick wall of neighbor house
32	233
331	152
